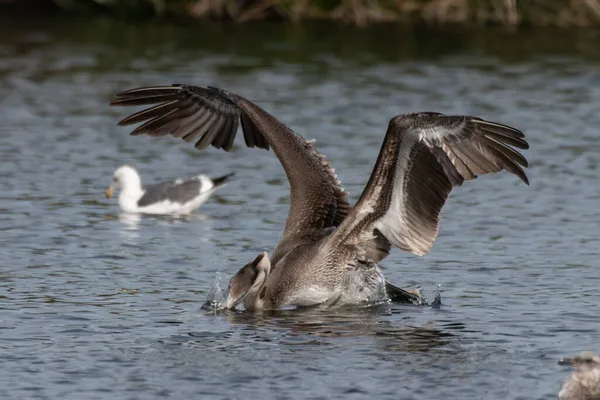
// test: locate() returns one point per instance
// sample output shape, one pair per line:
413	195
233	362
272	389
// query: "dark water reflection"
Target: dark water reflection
95	304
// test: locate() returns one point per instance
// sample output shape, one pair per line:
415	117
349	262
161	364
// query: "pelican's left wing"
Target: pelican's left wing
423	156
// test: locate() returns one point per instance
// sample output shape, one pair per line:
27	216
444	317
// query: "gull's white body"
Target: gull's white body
131	191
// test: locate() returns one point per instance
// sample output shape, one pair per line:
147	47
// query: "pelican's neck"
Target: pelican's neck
253	300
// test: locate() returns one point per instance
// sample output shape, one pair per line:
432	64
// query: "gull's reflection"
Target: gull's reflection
130	220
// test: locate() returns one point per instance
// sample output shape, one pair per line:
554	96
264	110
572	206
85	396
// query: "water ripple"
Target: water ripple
95	304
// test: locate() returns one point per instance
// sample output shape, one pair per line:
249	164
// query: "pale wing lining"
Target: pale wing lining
419	190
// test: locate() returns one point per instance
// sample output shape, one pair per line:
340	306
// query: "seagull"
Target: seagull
583	383
329	252
174	197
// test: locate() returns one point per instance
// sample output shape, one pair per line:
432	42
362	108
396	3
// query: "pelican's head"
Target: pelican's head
124	176
582	361
248	284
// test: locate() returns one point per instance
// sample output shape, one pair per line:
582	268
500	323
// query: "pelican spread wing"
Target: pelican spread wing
423	156
211	116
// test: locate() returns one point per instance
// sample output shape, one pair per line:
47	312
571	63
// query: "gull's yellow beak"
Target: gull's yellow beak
109	192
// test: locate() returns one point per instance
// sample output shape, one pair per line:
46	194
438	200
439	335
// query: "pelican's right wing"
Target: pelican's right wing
211	115
424	155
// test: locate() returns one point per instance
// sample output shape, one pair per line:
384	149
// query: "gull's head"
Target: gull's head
248	285
124	176
582	361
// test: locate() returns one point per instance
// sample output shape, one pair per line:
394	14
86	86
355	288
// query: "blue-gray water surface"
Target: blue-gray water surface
98	305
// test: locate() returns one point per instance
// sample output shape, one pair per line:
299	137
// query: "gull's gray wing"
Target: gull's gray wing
179	192
423	156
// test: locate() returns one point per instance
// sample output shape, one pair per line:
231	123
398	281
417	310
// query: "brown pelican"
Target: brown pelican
174	197
583	383
329	250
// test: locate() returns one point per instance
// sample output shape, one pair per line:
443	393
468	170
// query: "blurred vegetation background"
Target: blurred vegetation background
511	13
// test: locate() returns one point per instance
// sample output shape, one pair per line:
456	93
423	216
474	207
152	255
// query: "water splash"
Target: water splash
421	300
216	294
437	301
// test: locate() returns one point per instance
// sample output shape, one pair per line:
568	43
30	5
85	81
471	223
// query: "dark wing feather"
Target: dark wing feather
423	157
210	116
182	111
